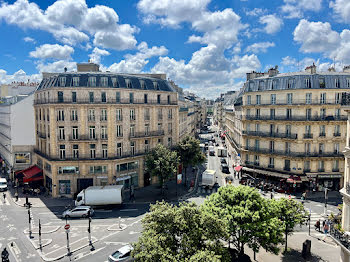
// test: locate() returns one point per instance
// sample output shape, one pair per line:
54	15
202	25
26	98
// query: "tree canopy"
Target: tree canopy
180	233
248	218
162	163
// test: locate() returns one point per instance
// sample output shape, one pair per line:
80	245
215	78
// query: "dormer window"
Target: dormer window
115	82
142	84
322	83
261	85
76	81
92	81
156	86
128	83
104	81
290	83
251	86
62	81
337	83
307	83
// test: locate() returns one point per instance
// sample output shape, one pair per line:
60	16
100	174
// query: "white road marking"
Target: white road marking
133	232
103	211
116	243
81	255
126	210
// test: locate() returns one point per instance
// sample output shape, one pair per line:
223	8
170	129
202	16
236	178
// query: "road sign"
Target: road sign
67	226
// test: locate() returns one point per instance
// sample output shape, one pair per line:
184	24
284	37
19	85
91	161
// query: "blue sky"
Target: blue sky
205	46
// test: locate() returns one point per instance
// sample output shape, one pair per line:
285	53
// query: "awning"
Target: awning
30	174
238	168
266	173
294	179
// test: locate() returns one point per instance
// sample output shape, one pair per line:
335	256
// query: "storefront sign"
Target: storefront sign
123	178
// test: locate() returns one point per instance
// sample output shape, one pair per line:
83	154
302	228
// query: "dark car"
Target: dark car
225	169
223	161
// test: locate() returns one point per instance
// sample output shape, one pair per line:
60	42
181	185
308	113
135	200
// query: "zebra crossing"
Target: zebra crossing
4	203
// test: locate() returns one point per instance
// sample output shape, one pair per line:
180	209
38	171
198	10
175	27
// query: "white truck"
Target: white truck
222	152
100	196
209	178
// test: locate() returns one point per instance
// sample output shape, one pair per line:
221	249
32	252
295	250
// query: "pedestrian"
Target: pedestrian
326	228
132	194
317	225
323	224
5	255
4	196
16	196
271	195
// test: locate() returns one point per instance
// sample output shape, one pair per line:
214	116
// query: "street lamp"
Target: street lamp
89	231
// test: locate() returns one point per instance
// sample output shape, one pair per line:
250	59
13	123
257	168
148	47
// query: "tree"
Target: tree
180	233
189	152
247	217
162	163
291	213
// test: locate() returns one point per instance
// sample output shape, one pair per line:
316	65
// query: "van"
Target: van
3	184
211	151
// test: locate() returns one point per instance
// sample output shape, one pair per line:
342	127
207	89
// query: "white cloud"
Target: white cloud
55	51
28	39
72	22
135	63
19	76
289	61
341	9
272	23
296	8
96	54
318	37
293	64
259	47
256	12
57	66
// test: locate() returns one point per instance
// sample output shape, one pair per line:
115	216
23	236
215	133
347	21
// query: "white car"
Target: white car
80	211
122	254
3	184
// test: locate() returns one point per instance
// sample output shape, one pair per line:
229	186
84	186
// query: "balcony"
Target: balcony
86	100
82	138
104	137
308	136
320	170
271	166
297	118
71	157
286	168
306	170
335	169
271	134
297	102
336	134
322	134
341	238
147	134
41	135
103	118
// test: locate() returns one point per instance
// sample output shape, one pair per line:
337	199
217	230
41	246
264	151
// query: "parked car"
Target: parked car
80	211
223	161
122	254
225	169
3	184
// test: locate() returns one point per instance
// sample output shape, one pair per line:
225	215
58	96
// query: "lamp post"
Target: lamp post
325	201
29	220
89	231
40	244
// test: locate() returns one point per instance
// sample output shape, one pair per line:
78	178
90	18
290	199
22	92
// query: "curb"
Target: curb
37	246
122	227
26	231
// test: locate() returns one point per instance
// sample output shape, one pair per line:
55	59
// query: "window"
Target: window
104	81
156	86
321	148
336	165
119	130
91	97
119	114
75	81
336	148
75	151
22	158
272	129
261	85
62	151
321	82
257	127
307	83
75	134
74	97
257	113
248	127
92	81
337	130
146	129
322	130
132	147
348	83
104	132
272	146
168	99
258	99
160	127
131	98
160	114
68	170
272	113
248	112
247	142
308	98
62	81
146	146
307	166
60	97
273	99
170	141
64	187
287	165
249	100
288	130
287	147
147	114
103	97
271	162
289	98
92	132
132	130
257	144
91	115
119	149
60	115
145	98
117	97
160	141
337	98
158	99
115	82
142	84
170	128
307	148
321	166
308	129
170	114
98	169
104	151
103	114
92	151
73	115
323	113
289	113
323	98
128	83
290	83
337	113
132	114
256	160
337	83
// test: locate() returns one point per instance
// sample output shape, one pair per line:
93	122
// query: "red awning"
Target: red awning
31	174
238	168
294	179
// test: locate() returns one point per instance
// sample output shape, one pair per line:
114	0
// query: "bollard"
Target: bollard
119	223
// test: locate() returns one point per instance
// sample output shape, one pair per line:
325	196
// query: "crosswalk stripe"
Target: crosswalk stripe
7	203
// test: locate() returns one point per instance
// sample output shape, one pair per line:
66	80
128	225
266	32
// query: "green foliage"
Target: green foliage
247	217
189	152
162	162
184	233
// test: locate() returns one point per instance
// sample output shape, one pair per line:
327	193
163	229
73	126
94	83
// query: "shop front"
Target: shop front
318	182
